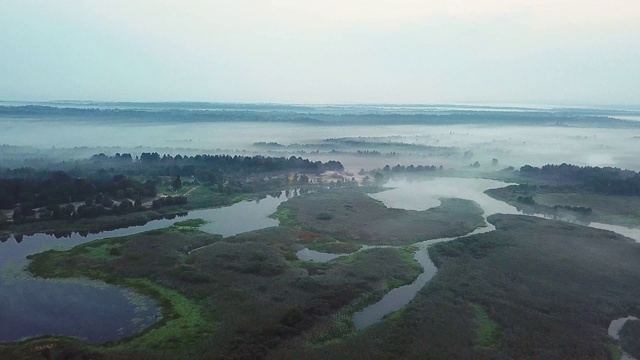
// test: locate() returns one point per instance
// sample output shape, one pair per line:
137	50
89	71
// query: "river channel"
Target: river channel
422	195
91	310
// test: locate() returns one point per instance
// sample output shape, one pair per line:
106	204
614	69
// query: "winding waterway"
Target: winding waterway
422	195
91	310
97	312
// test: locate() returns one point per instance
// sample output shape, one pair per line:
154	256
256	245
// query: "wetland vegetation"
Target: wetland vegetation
533	288
507	293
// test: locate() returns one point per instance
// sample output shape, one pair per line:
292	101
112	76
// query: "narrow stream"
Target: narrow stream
398	297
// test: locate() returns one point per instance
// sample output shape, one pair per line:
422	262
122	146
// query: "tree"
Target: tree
125	206
176	183
378	177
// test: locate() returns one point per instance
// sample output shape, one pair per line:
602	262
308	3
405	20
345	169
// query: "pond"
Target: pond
94	311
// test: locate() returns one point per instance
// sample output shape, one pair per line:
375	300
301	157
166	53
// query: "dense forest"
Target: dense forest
299	114
605	180
116	184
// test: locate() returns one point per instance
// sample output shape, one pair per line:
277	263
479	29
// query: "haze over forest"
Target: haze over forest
320	180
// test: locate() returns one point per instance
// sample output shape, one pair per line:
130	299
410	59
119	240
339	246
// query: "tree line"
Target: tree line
604	180
46	188
114	185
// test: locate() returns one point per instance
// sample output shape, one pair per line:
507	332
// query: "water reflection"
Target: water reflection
92	310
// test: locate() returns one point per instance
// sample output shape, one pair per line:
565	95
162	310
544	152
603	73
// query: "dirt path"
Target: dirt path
187	193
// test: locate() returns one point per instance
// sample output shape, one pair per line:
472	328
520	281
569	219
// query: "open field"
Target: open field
353	215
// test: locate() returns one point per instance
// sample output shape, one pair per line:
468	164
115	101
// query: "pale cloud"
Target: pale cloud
323	51
183	16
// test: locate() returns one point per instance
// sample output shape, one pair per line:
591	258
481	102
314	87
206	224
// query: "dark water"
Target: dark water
399	297
92	310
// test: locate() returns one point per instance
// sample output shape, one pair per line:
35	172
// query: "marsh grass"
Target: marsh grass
352	214
487	331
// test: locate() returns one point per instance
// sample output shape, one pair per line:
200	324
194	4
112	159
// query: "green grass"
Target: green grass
488	330
104	251
396	315
183	324
407	254
284	216
614	350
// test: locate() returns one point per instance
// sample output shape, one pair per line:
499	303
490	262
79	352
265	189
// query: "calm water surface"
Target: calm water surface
92	310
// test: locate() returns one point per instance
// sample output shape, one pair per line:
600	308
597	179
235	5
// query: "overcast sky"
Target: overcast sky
573	52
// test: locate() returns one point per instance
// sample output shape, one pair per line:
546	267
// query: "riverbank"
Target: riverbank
224	284
517	292
510	293
199	197
355	217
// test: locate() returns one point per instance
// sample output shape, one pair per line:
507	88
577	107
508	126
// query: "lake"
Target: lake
94	311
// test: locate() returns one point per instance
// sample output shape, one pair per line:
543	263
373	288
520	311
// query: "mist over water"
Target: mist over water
514	142
426	193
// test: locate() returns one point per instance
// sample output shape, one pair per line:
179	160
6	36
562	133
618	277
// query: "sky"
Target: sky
561	52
